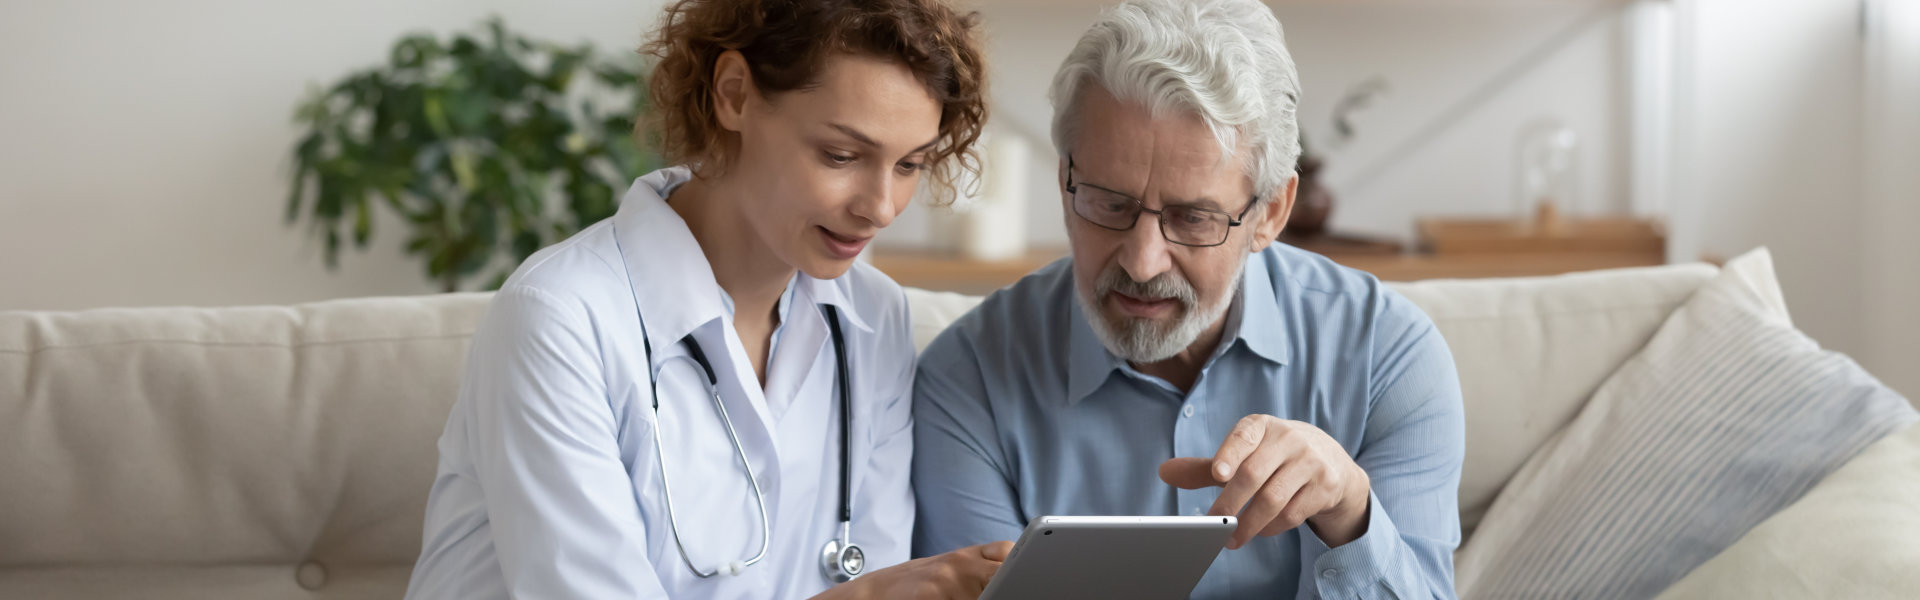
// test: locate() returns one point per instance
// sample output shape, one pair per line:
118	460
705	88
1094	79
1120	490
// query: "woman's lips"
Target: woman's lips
1143	307
842	247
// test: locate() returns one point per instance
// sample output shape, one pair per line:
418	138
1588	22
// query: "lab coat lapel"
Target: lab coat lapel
796	359
748	408
678	297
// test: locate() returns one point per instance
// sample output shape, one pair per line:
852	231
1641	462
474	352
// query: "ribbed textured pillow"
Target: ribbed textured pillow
1856	536
1726	417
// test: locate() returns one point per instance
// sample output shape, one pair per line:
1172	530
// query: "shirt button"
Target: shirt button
1330	573
1197	512
1188	411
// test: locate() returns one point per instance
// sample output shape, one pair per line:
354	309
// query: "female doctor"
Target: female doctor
705	396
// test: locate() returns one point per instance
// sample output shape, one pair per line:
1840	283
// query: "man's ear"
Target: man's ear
1062	176
732	88
1273	217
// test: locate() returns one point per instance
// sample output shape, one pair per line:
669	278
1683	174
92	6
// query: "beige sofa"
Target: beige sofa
286	452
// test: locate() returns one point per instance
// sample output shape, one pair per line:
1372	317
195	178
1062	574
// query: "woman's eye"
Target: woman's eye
838	160
911	167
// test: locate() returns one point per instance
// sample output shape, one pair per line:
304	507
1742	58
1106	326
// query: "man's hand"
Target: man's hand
958	575
1278	474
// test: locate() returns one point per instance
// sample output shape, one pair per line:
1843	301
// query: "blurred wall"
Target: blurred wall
1891	218
144	144
1771	150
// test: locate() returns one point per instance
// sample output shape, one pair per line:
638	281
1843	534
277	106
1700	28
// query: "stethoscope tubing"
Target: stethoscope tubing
713	383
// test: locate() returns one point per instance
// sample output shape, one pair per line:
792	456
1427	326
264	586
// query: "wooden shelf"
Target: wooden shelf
1585	245
945	272
1508	236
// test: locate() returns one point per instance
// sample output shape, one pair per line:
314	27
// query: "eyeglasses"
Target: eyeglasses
1182	224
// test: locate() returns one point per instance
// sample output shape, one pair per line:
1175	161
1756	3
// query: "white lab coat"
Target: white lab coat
548	485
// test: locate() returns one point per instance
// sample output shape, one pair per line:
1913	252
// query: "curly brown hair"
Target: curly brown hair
786	43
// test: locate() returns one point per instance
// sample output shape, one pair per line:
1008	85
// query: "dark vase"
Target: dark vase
1312	202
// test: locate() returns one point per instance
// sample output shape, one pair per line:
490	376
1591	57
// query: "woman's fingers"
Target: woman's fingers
996	552
978	564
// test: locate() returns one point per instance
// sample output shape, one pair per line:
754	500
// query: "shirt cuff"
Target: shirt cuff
1358	565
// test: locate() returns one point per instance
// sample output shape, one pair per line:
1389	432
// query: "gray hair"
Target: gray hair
1223	60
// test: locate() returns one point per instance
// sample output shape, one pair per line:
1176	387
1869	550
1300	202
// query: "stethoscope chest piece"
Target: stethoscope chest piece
841	563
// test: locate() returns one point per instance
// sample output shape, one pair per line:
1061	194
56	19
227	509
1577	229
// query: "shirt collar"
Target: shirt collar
1255	320
1261	325
671	279
837	292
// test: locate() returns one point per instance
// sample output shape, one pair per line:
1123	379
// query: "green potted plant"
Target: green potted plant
490	146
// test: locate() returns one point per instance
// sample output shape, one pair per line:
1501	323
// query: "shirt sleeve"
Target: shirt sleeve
1412	452
964	490
559	501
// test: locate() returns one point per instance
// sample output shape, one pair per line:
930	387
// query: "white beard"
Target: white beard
1143	341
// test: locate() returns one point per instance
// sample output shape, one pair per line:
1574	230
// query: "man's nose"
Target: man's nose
1144	251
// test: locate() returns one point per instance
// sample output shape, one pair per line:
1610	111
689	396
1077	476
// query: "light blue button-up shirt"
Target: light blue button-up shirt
1021	413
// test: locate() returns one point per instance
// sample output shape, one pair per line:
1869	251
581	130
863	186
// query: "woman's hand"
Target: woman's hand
958	575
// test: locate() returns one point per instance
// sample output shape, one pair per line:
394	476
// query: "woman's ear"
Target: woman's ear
732	88
1273	217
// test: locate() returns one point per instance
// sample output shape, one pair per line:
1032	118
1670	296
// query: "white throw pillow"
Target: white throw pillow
1531	351
1727	416
1856	535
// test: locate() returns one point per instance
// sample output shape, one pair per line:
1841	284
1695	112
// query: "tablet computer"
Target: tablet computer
1121	558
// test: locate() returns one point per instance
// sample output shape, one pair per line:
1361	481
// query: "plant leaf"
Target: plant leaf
487	143
362	221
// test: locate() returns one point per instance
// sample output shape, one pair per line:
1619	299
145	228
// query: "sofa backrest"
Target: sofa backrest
286	452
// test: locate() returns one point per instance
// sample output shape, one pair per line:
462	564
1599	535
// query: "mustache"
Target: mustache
1163	286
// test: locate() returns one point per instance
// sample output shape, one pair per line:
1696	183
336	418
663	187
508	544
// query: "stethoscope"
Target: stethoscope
840	560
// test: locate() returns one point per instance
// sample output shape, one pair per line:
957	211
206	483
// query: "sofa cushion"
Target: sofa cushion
1855	535
1727	416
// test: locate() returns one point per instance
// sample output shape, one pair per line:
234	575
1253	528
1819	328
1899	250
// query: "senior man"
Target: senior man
1183	362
